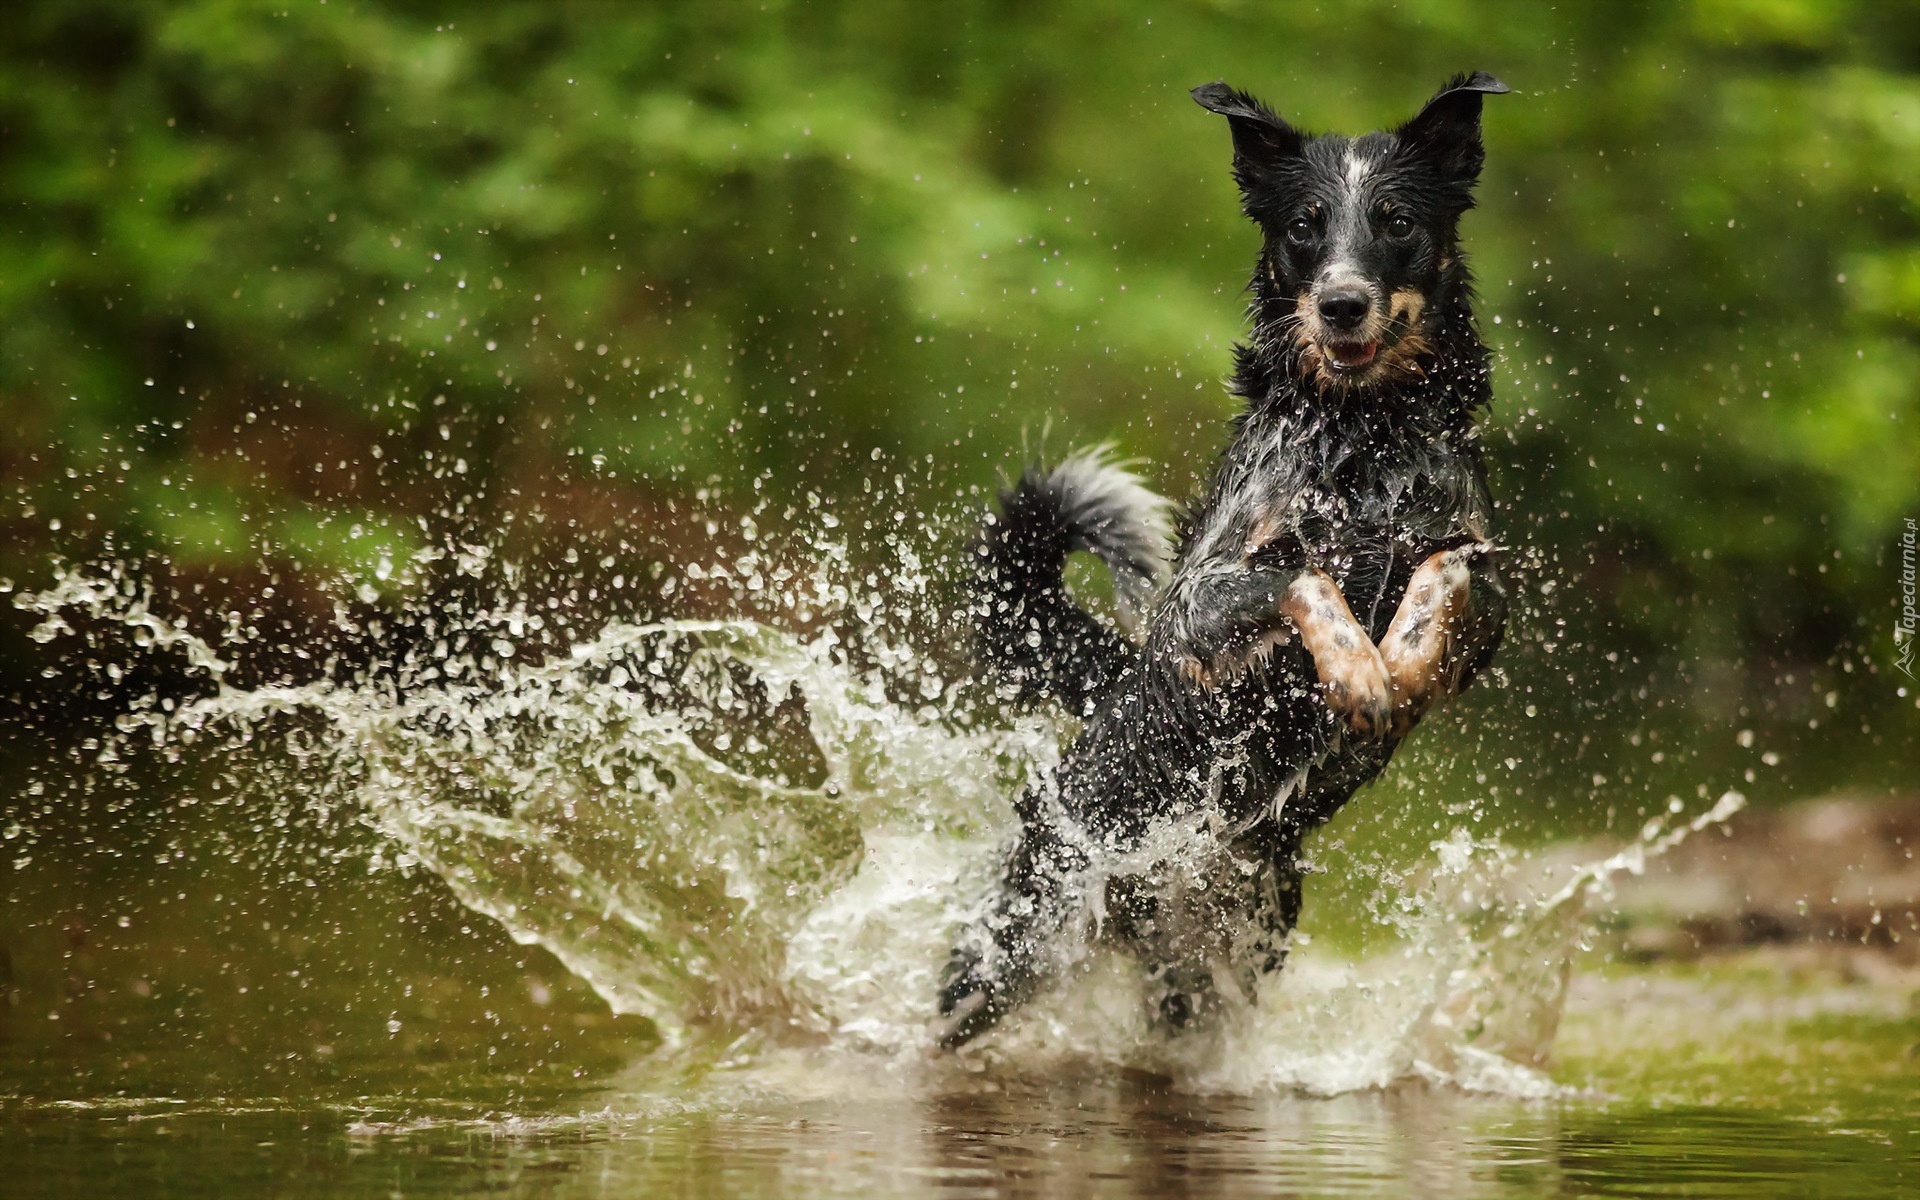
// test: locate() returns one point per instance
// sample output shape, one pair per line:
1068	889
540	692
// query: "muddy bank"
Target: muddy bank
1838	871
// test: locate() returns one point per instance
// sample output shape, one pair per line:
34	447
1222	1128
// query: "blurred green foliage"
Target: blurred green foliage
285	276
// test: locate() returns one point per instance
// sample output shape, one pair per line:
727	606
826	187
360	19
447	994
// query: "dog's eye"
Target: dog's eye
1399	225
1300	231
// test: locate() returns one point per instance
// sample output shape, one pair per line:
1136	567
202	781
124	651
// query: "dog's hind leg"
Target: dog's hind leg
1273	909
1178	936
1017	945
1201	946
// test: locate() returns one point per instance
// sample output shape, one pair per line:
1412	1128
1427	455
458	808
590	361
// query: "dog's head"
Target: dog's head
1361	233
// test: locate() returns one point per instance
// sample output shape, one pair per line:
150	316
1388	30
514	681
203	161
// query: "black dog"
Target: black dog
1334	581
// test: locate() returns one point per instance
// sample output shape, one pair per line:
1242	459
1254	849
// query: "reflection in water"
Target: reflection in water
1132	1138
1145	1142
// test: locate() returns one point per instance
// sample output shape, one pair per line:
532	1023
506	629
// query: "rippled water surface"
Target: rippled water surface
1118	1137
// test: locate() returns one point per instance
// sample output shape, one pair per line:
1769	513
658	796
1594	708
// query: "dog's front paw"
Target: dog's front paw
1419	646
1358	688
1352	674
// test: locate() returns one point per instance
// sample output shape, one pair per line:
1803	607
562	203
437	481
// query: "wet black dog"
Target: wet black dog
1334	581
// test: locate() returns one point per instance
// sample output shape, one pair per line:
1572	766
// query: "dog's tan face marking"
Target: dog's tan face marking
1407	306
1406	358
1403	357
1306	335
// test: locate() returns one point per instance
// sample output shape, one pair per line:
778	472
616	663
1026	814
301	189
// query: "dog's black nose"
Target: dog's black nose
1345	308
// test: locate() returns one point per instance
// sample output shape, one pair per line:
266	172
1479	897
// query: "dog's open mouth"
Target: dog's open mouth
1352	356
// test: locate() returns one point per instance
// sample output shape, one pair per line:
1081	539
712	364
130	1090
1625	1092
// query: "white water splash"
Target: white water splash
592	802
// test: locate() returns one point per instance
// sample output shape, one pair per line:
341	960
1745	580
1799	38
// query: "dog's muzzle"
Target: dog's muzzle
1349	340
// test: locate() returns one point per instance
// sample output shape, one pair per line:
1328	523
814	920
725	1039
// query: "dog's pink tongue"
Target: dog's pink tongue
1355	356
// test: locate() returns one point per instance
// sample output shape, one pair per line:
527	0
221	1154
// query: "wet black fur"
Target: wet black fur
1362	478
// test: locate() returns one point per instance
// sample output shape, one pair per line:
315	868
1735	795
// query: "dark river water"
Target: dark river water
1115	1138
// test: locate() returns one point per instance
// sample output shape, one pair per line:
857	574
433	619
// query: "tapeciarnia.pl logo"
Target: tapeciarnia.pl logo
1903	629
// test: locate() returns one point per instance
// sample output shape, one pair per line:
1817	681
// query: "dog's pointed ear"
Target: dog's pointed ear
1260	138
1447	131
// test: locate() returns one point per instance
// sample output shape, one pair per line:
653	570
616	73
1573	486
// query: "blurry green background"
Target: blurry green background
289	288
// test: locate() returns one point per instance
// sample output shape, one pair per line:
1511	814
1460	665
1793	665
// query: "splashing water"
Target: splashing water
602	801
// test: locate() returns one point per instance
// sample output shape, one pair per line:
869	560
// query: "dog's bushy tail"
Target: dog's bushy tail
1031	631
